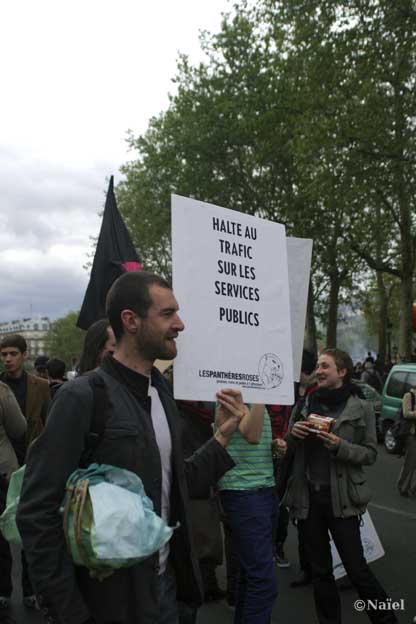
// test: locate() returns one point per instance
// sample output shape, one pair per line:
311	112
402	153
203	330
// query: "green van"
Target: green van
399	381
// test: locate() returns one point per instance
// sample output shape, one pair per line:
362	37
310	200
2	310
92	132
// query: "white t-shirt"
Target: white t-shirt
164	442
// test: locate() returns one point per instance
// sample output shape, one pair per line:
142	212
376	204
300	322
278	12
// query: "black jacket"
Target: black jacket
130	596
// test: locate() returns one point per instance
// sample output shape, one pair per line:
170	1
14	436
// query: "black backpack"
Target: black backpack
401	428
100	413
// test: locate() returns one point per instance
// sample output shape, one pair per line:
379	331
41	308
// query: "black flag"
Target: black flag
115	254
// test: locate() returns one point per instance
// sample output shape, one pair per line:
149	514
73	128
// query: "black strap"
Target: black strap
99	417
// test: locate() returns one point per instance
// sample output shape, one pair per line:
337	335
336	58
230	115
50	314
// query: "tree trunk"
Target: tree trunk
406	321
382	293
382	318
406	227
310	341
331	331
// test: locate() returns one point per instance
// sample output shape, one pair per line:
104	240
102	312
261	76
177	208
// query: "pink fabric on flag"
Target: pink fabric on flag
132	266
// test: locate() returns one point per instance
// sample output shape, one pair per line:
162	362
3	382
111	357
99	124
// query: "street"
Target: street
394	518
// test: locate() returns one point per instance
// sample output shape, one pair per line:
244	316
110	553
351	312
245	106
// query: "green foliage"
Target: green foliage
361	127
65	340
303	113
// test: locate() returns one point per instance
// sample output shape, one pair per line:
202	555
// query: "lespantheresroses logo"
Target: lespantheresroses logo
271	370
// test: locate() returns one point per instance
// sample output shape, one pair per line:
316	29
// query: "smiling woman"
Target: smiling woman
327	490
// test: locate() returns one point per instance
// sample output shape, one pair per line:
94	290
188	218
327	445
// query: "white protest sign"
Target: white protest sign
230	278
299	256
372	546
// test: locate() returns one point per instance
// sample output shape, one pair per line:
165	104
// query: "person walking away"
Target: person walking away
40	365
56	374
371	376
407	477
307	384
279	418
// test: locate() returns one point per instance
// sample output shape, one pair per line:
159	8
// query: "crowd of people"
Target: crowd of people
247	468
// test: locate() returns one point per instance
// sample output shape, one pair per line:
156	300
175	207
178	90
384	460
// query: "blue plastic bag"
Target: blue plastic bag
109	522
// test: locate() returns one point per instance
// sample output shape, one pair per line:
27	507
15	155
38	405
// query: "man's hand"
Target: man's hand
330	440
279	447
300	430
229	413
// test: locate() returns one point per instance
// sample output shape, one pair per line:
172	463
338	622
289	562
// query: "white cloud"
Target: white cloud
78	75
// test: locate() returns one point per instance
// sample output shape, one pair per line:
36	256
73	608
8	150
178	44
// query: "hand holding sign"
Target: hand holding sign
229	413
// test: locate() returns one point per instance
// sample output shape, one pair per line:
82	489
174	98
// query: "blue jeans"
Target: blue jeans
252	518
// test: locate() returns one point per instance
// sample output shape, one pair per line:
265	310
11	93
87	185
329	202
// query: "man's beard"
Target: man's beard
151	349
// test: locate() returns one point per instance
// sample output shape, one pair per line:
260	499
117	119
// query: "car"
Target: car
370	394
399	381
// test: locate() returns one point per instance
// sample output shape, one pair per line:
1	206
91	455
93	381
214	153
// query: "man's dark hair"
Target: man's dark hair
56	368
14	340
342	360
94	343
131	292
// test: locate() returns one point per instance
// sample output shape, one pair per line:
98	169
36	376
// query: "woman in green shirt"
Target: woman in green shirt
250	504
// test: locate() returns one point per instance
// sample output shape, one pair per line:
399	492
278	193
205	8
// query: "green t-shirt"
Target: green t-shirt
254	462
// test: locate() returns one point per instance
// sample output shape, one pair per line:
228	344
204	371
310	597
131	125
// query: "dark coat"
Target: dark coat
355	426
12	427
37	403
129	596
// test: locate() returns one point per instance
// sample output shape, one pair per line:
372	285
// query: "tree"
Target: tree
65	340
233	135
370	111
303	112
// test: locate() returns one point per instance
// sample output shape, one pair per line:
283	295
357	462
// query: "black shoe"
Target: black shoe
30	602
4	602
230	600
280	557
6	619
212	595
302	579
344	583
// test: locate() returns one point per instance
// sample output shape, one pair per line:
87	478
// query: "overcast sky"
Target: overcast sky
75	76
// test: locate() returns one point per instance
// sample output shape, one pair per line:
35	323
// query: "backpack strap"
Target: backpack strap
99	416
